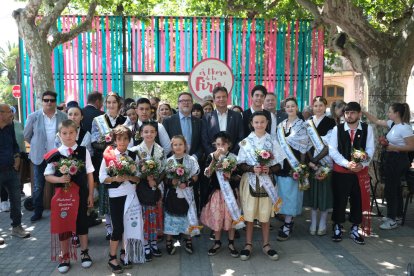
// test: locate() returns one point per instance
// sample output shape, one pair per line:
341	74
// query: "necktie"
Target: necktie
186	130
70	151
352	134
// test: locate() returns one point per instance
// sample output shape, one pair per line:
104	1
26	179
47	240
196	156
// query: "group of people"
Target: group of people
161	173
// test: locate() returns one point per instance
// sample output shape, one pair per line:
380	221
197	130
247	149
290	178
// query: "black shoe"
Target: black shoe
216	247
245	253
148	256
156	252
337	233
188	246
35	217
125	263
355	236
233	251
116	269
170	247
237	234
284	234
271	253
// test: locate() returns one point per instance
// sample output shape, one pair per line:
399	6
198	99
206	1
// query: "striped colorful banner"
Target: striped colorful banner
286	58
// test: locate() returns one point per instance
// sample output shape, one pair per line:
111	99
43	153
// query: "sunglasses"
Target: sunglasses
49	100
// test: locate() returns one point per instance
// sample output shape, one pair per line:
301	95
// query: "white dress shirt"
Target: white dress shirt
222	120
338	158
64	150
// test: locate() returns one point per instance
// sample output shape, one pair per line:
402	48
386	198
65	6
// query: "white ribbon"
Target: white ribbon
194	228
316	141
104	129
227	192
291	158
133	223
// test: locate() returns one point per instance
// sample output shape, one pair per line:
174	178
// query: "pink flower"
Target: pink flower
265	155
225	164
111	163
180	171
63	169
73	170
295	175
108	138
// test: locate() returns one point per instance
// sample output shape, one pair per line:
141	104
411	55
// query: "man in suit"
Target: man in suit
258	94
40	133
92	110
221	119
277	115
184	124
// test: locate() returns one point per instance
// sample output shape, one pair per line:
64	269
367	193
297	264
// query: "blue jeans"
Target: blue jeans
39	186
10	180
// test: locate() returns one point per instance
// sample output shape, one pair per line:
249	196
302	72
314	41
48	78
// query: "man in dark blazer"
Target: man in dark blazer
92	110
258	94
184	124
221	119
277	115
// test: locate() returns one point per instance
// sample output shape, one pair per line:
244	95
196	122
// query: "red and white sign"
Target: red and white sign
16	91
208	74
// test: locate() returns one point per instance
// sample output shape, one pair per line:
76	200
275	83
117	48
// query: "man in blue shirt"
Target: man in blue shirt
9	166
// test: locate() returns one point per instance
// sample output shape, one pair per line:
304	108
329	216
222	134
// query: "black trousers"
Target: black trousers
346	186
82	218
116	207
395	166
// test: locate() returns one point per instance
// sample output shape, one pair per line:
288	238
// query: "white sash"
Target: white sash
133	224
291	158
264	180
102	124
231	203
316	141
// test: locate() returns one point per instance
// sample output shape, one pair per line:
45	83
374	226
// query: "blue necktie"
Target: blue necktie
187	130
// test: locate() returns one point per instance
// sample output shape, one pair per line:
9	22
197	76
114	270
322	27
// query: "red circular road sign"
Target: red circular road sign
16	91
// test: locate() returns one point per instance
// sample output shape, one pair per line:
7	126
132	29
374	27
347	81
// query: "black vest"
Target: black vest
82	134
81	177
344	140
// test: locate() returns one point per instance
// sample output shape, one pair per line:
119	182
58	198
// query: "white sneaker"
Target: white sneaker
388	224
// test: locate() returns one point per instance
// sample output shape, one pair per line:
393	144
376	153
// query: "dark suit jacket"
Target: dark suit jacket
89	113
280	116
210	127
173	127
247	114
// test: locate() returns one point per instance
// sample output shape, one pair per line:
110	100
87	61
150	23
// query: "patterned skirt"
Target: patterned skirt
215	214
175	225
103	200
292	198
152	220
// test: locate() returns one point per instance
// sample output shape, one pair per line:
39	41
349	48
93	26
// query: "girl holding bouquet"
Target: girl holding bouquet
118	172
222	211
319	196
151	163
70	168
397	143
180	215
101	138
293	177
258	159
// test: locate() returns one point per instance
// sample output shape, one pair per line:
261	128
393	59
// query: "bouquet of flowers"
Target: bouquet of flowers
322	172
383	141
70	166
263	157
227	166
359	156
176	171
149	167
106	138
301	174
124	166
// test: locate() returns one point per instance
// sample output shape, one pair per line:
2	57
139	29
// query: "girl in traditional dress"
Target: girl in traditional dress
319	196
180	215
76	182
101	127
222	211
258	159
126	211
294	141
83	137
148	192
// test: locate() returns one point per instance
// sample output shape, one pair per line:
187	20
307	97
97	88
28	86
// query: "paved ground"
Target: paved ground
385	253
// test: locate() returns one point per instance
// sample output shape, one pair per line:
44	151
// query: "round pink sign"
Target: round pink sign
208	74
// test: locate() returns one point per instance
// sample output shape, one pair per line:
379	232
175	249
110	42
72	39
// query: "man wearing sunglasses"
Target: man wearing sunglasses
40	132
